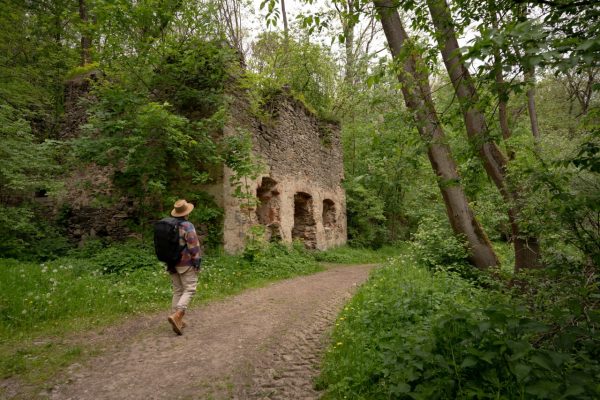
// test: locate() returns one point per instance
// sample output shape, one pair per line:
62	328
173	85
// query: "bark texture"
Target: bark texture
417	96
529	78
86	42
526	247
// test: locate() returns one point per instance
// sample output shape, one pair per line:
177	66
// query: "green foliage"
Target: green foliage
238	155
37	297
34	59
158	132
565	297
306	68
124	258
278	261
255	243
385	165
491	212
563	200
25	165
436	246
81	70
365	216
192	78
29	237
411	333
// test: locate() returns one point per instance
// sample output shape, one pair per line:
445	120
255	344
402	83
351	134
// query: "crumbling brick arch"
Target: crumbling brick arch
329	214
305	227
268	209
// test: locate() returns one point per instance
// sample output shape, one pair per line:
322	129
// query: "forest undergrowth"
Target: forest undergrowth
419	331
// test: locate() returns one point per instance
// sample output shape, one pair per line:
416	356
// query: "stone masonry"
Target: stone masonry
300	195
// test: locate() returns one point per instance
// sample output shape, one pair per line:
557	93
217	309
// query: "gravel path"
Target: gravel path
262	344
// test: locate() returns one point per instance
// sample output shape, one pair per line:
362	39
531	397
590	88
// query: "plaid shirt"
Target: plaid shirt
192	253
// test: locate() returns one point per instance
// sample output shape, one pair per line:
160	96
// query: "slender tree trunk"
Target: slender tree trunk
530	80
502	95
529	77
348	25
526	247
580	88
86	42
417	96
284	17
502	100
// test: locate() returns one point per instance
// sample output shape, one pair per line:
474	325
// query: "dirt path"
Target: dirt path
262	344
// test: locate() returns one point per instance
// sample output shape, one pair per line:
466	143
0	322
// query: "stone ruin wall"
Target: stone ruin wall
300	195
87	201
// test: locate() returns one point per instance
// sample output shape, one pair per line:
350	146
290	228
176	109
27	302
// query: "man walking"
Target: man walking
184	274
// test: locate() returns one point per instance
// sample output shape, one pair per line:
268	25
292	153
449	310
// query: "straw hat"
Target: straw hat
181	208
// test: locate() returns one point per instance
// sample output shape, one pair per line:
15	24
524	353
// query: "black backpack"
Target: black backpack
166	241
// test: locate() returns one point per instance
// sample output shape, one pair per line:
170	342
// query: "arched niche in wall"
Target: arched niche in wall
329	214
268	209
305	227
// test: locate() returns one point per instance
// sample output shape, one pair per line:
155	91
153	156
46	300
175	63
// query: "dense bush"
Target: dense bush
410	333
436	246
366	218
29	237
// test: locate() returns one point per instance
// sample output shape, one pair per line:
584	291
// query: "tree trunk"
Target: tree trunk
348	25
502	96
502	102
284	17
417	96
530	80
86	42
526	247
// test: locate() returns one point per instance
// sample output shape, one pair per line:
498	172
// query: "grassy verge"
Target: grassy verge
41	303
413	334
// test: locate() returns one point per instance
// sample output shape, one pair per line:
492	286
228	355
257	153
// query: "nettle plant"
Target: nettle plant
437	247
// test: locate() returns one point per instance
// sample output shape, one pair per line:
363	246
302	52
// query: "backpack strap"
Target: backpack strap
180	221
171	268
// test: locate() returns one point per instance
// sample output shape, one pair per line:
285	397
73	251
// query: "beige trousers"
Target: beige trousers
184	286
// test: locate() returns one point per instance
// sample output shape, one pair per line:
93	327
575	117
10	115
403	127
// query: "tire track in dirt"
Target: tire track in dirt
290	370
265	343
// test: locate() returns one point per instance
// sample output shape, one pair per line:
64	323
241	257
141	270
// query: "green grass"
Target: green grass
41	303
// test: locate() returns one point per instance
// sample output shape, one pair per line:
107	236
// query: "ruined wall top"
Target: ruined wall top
296	143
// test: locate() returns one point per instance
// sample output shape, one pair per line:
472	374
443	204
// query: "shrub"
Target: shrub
366	219
437	247
120	258
29	237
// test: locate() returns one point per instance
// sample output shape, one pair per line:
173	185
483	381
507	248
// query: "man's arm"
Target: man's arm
193	246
